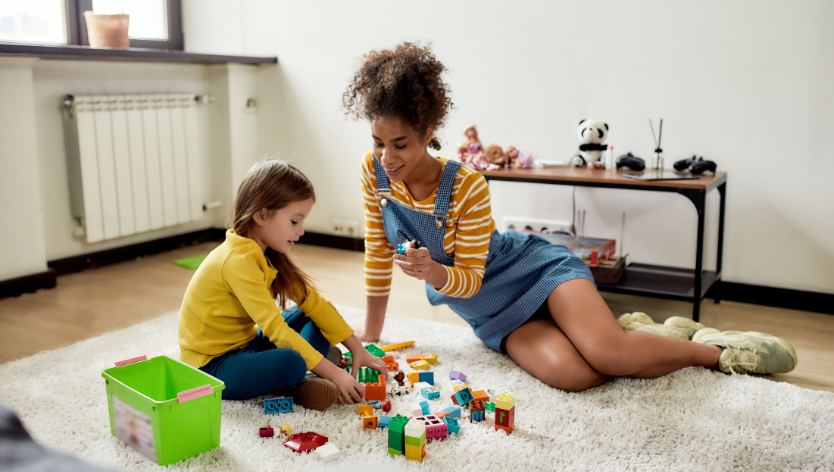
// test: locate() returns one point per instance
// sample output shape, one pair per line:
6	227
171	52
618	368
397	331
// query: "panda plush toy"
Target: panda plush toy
592	133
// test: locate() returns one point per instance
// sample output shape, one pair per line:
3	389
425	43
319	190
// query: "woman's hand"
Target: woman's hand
363	358
415	262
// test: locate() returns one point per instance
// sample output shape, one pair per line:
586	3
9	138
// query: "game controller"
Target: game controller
631	161
696	165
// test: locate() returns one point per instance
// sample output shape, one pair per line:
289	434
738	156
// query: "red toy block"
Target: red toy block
386	407
267	432
507	429
305	442
375	390
505	417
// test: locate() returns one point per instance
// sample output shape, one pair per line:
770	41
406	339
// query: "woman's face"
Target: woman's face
398	147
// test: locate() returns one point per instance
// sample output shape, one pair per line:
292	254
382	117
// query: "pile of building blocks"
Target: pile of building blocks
396	435
415	440
278	405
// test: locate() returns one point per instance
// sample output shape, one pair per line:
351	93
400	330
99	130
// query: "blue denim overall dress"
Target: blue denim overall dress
522	269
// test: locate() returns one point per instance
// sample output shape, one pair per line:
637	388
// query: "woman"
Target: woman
533	300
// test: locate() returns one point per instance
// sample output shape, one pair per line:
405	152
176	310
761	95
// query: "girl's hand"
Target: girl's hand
415	262
363	358
350	390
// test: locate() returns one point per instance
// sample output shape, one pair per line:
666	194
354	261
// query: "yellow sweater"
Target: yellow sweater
229	294
468	230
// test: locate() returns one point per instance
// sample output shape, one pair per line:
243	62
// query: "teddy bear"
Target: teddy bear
592	133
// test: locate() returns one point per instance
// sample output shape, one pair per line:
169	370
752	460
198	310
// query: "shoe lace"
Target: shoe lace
745	359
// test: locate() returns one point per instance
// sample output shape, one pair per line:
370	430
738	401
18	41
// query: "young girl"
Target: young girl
521	294
230	325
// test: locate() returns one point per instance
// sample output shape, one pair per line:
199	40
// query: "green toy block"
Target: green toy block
490	407
190	263
375	351
394	452
367	375
416	441
395	441
397	424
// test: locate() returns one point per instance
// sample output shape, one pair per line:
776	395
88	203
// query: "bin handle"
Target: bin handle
131	361
198	392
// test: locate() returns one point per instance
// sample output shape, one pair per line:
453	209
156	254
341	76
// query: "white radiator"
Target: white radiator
133	162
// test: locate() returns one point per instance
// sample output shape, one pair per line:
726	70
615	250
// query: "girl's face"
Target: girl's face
398	147
282	228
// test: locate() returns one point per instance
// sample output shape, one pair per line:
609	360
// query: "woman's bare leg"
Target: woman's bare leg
584	318
541	349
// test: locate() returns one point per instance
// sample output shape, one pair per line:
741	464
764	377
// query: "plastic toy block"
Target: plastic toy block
505	417
424	405
441	414
430	358
394	347
414	428
375	390
413	377
415	453
266	432
452	425
367	375
278	405
495	392
392	367
505	401
375	351
365	410
383	421
398	424
421	385
457	375
476	410
386	407
415	409
480	395
453	411
396	434
459	387
395	452
462	397
476	416
328	452
375	404
400	377
305	442
411	441
506	429
420	365
454	382
413	358
489	406
427	377
370	422
285	429
430	393
435	427
388	358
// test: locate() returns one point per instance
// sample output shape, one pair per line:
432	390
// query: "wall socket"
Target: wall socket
345	228
520	223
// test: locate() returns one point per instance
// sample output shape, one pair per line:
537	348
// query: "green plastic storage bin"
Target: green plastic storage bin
166	410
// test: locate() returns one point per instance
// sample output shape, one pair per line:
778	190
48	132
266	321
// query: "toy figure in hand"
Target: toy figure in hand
404	247
471	134
592	133
518	159
496	155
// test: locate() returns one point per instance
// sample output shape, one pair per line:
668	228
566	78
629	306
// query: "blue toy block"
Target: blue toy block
476	416
453	411
462	397
427	377
278	405
452	424
430	393
383	421
425	406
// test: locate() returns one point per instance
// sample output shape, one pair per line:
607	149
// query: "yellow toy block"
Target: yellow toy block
370	422
415	453
413	377
505	401
420	365
394	347
366	410
458	387
285	429
430	358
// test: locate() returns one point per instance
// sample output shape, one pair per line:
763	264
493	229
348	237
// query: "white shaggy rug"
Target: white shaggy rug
694	419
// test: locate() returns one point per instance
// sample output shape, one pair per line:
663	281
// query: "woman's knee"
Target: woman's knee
574	380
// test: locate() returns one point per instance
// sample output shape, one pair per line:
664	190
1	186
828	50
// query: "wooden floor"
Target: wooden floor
90	303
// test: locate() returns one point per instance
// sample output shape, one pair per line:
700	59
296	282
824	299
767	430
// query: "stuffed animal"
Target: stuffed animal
592	133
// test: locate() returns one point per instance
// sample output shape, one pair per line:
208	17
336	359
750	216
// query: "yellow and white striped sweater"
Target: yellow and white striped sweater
468	230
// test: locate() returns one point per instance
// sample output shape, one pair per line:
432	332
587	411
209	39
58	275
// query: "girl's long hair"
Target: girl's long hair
273	184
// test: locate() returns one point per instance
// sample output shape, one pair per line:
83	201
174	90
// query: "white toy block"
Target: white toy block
328	452
421	385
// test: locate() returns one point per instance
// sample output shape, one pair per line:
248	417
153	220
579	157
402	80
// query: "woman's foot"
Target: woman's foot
750	352
675	326
684	325
315	393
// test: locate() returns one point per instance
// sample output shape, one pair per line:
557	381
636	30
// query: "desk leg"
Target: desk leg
699	199
722	191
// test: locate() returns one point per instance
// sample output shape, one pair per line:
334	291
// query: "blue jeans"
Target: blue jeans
261	367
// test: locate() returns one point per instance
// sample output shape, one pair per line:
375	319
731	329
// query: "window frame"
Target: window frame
77	26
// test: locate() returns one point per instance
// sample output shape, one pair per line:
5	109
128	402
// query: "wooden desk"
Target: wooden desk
646	279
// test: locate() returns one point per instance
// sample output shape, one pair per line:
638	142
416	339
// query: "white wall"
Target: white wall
745	83
22	249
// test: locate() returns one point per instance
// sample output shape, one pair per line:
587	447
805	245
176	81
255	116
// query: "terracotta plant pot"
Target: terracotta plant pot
107	31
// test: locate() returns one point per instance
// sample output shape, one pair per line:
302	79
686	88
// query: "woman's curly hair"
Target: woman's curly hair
403	83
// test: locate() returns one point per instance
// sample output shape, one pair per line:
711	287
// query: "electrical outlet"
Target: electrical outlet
346	228
520	223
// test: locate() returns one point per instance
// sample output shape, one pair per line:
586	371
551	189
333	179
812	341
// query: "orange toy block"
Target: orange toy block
388	359
370	422
507	429
441	414
393	367
413	358
480	395
365	410
375	390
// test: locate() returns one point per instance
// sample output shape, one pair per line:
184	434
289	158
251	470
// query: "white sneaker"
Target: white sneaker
751	352
663	331
632	321
684	325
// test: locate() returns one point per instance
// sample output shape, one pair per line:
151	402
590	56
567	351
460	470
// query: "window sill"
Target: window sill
86	53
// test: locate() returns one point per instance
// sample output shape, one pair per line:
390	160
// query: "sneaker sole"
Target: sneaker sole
315	395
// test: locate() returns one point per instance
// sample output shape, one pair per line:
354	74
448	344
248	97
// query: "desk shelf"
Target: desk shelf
661	282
